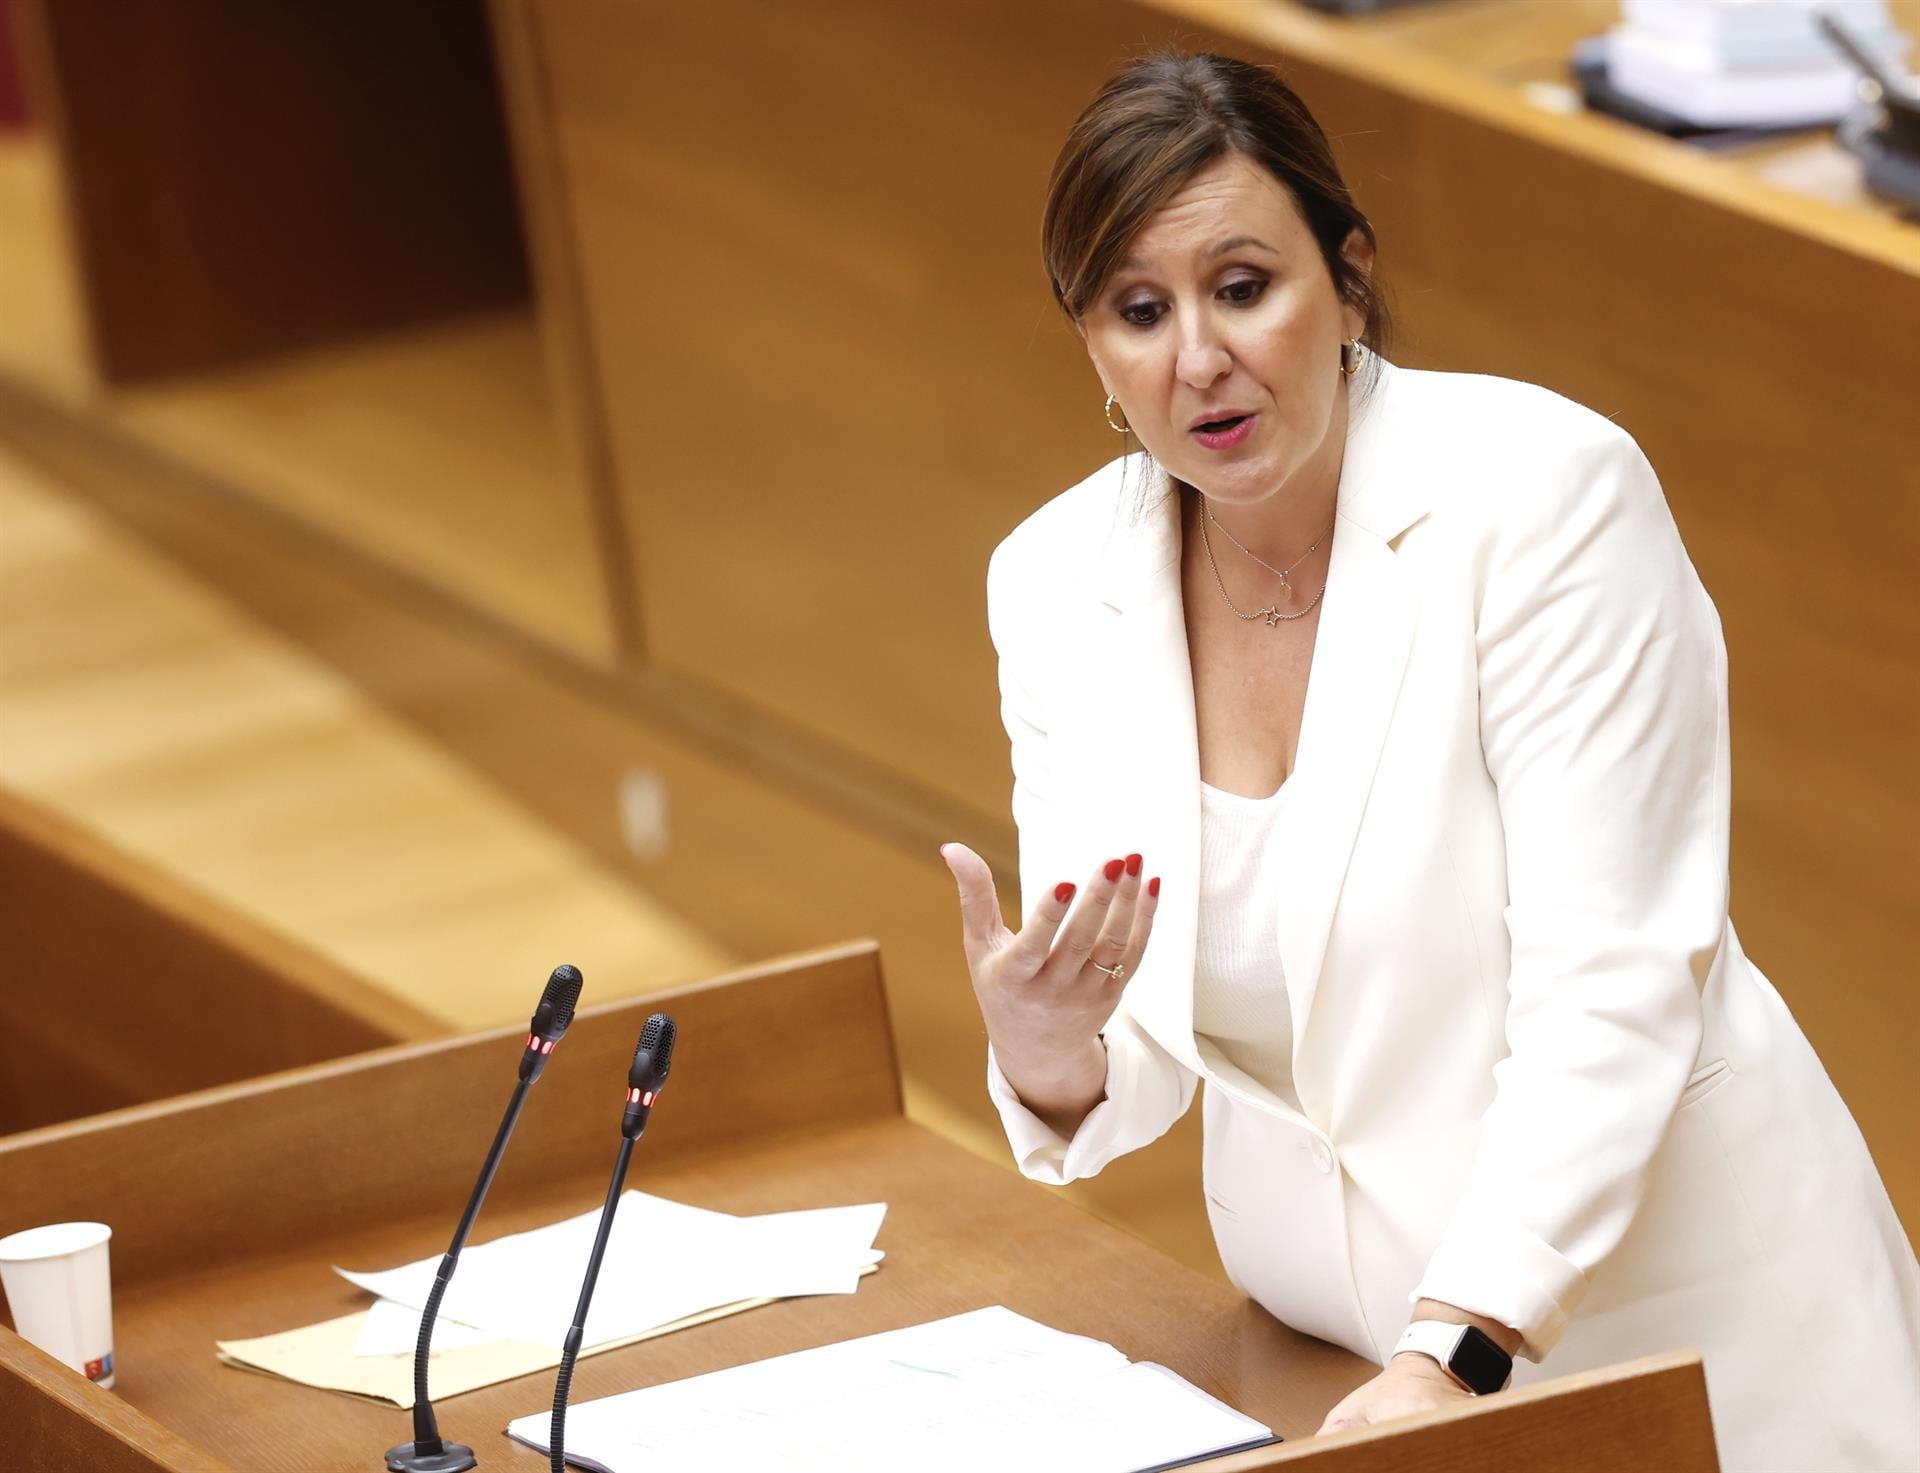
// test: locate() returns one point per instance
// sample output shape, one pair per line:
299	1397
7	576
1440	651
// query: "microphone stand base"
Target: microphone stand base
453	1457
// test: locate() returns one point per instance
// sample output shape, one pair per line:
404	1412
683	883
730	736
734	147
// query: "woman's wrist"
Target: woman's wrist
1060	1091
1507	1338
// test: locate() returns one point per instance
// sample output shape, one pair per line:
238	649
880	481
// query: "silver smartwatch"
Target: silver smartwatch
1466	1353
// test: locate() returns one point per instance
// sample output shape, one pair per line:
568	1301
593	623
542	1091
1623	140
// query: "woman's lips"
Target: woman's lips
1225	439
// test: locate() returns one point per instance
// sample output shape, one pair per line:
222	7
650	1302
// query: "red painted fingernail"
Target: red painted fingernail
1114	866
1133	865
1153	887
1063	893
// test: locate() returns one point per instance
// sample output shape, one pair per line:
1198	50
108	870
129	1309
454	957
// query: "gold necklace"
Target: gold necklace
1271	614
1286	588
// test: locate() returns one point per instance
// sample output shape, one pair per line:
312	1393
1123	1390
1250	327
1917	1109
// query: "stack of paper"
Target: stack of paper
988	1389
668	1266
1746	63
665	1261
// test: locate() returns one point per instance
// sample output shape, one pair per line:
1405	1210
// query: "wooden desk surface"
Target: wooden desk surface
1474	58
959	1235
231	1206
1521	44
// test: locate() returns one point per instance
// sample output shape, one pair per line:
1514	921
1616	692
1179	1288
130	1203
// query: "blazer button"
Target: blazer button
1322	1157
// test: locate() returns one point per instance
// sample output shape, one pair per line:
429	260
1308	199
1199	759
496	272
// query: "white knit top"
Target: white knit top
1239	985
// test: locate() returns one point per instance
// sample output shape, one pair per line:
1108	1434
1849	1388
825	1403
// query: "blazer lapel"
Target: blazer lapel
1153	775
1359	660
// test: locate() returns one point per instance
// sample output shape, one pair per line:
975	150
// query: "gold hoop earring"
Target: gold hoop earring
1119	429
1350	366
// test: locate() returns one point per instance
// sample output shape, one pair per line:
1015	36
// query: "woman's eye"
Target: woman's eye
1247	289
1140	314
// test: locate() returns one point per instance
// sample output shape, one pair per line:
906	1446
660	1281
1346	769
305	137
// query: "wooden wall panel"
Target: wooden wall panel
761	865
834	374
198	1194
120	985
48	1409
13	102
577	402
247	178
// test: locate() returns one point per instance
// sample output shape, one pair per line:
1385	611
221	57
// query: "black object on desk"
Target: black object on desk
1883	133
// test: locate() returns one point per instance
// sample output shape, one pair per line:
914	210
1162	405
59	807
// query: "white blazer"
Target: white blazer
1538	1077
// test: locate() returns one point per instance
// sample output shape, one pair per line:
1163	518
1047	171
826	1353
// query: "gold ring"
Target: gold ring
1117	971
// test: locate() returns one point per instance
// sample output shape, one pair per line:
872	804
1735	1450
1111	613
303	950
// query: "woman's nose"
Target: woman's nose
1203	357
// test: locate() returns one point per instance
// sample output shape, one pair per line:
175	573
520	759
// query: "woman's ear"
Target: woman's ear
1093	357
1358	252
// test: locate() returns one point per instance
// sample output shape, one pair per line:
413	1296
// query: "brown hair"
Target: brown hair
1158	123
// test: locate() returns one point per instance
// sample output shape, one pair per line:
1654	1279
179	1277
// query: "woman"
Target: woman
1404	684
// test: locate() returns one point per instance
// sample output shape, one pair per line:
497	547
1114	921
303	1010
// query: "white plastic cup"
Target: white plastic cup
60	1294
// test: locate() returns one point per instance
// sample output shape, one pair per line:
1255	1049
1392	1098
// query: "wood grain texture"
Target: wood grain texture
57	1422
208	1177
782	1097
194	736
959	1235
122	985
445	451
578	403
13	102
837	378
759	864
438	452
1469	59
246	179
44	338
1649	1413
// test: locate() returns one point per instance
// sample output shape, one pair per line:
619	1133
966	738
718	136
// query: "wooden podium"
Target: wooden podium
229	1207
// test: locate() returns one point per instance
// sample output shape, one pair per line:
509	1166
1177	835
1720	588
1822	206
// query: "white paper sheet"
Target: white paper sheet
665	1260
985	1389
392	1328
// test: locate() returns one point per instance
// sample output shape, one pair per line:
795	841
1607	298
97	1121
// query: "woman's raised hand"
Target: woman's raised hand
1047	990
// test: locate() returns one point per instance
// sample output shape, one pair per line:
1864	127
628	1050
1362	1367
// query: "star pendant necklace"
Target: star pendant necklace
1272	613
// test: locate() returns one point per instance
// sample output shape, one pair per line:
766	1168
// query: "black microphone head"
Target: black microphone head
555	1013
654	1057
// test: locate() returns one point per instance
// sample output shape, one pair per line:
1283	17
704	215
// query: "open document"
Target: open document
985	1389
665	1261
668	1266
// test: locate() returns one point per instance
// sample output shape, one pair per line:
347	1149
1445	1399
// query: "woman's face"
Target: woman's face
1223	310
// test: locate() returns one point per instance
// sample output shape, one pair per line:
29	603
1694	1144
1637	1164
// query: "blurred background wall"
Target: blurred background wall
484	485
13	104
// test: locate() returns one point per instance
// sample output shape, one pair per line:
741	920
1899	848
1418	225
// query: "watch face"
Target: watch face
1483	1365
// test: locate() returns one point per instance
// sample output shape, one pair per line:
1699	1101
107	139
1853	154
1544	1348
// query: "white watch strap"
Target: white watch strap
1433	1338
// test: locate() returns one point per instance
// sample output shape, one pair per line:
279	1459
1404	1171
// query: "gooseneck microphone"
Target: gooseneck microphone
429	1452
651	1061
